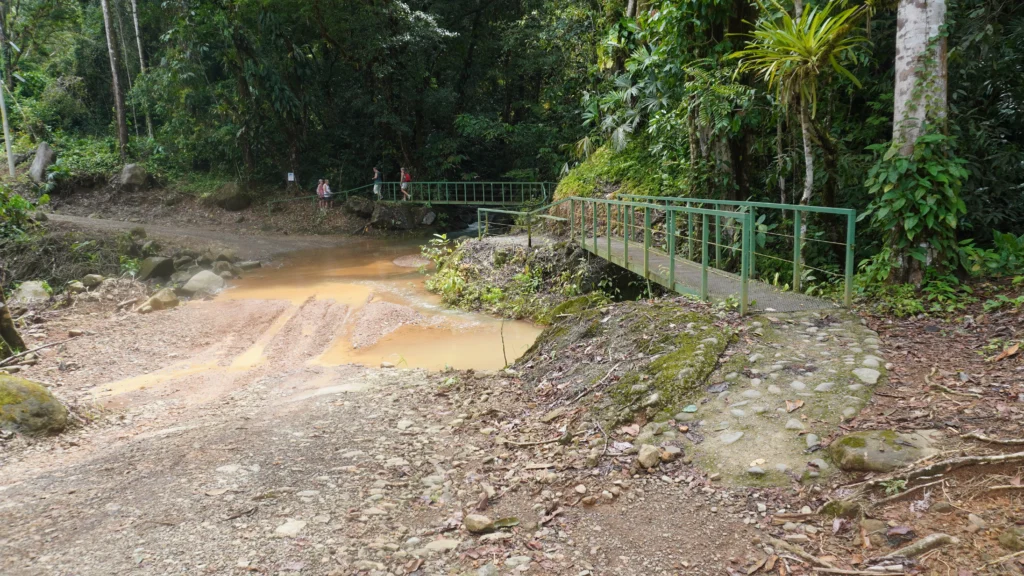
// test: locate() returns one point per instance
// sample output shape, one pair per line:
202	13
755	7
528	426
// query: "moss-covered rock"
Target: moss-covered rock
28	408
633	170
879	450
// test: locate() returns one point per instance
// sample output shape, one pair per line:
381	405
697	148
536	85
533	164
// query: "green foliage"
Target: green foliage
630	171
916	203
129	265
894	486
15	213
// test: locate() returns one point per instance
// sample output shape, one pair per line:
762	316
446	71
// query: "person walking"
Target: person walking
320	194
378	182
328	203
406	179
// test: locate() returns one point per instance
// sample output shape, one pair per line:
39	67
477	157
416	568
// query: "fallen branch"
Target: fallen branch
905	493
894	570
564	438
946	389
926	544
1004	487
10	359
1000	560
798	552
596	384
982	438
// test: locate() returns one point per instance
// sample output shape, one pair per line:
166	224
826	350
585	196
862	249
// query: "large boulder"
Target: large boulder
45	157
162	300
359	206
231	197
28	408
388	216
92	280
133	176
203	282
31	292
156	267
880	450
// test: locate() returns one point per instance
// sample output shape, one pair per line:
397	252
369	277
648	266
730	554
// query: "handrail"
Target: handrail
798	232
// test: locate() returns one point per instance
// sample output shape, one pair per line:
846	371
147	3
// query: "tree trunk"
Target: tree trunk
122	125
920	90
805	129
631	9
798	8
9	338
142	63
5	49
780	159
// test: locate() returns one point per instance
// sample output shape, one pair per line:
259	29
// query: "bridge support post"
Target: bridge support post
689	233
851	227
718	241
647	243
704	233
583	224
529	231
745	241
608	228
625	237
671	217
595	228
752	266
796	249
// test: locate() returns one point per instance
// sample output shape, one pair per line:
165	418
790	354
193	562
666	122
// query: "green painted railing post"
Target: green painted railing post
479	229
647	242
583	224
572	214
796	250
529	231
595	228
625	238
744	276
608	227
671	217
718	241
851	226
704	258
689	233
752	266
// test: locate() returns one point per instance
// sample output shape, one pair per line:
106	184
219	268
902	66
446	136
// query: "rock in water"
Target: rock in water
162	300
133	176
649	456
359	206
478	523
156	267
30	292
250	264
28	408
92	280
204	282
391	216
45	157
231	197
879	450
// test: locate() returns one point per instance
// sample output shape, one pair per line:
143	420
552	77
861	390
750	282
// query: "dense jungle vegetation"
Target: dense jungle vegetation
909	111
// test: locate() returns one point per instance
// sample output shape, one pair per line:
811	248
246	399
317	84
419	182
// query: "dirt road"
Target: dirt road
222	449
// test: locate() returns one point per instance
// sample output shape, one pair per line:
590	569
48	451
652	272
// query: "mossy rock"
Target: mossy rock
880	450
1012	539
843	509
28	408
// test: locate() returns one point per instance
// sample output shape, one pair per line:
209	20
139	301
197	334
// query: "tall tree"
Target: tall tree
142	62
122	125
920	92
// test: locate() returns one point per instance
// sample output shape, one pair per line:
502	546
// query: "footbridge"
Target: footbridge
504	194
708	248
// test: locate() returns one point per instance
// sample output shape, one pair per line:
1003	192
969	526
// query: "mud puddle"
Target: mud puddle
392	318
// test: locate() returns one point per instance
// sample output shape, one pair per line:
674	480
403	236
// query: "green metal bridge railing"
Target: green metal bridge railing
525	219
468	193
798	237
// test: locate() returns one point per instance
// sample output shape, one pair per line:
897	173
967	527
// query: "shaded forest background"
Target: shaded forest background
656	97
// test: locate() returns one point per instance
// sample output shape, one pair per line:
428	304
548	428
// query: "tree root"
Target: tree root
11	359
982	438
903	494
797	551
945	466
926	544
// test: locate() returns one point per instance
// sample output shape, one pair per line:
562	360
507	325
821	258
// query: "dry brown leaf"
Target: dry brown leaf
1007	353
217	492
793	405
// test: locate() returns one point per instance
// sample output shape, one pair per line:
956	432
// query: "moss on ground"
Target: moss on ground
634	170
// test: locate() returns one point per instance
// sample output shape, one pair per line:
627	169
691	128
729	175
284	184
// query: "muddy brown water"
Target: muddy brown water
416	332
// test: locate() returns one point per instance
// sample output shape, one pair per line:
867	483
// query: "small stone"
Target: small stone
812	440
976	523
806	510
581	489
728	438
867	375
797	385
478	523
794	424
870	362
824	387
442	545
755	471
290	529
649	456
1012	539
849	412
405	424
516	561
754	358
820	464
487	570
738	413
761	507
773	389
670	453
752	394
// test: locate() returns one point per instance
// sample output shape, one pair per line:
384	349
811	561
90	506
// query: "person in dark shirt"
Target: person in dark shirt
378	182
